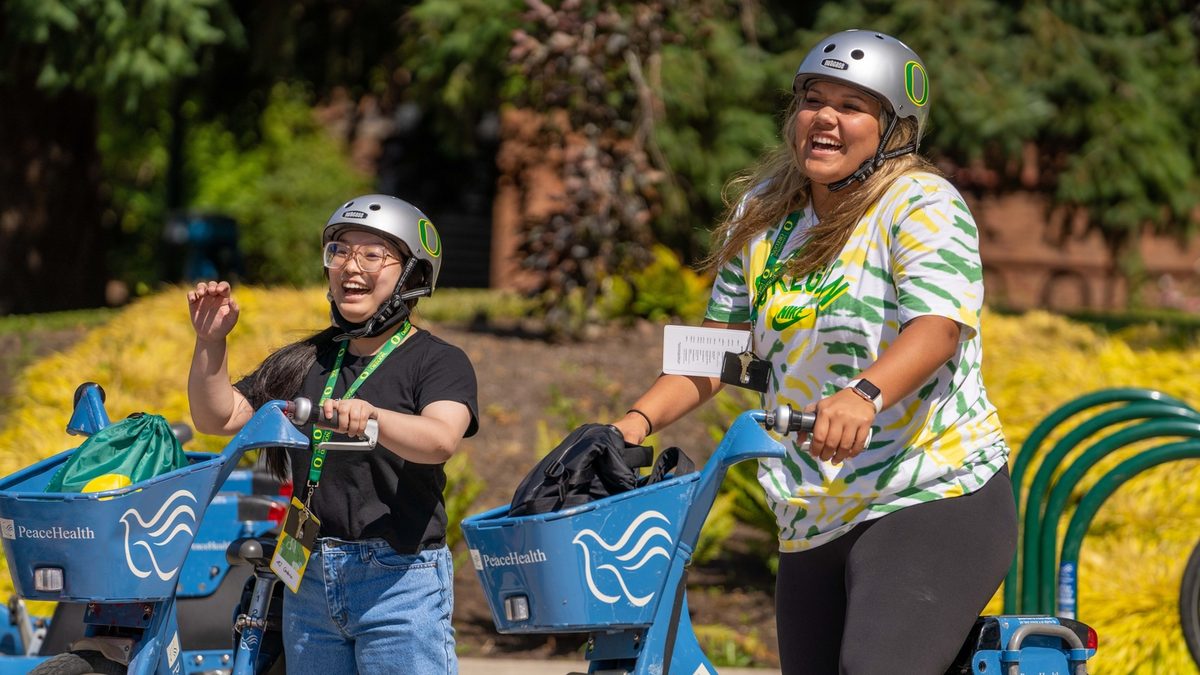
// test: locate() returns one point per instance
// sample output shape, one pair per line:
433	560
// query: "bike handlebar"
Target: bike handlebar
784	420
299	410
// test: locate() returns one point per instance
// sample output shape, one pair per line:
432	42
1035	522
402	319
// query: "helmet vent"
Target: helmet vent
347	205
374	207
830	47
857	54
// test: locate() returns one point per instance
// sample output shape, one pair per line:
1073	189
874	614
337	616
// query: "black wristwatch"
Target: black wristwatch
868	391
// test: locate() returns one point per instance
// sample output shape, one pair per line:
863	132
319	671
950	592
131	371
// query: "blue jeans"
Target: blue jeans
363	608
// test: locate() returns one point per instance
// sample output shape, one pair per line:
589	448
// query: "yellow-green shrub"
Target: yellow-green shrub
663	290
1132	560
667	288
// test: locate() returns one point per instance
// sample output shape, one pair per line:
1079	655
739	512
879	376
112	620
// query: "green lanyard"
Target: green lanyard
319	436
774	267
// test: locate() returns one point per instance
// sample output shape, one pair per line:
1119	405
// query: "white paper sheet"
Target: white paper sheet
695	350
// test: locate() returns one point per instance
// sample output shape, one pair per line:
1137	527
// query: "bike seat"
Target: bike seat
256	551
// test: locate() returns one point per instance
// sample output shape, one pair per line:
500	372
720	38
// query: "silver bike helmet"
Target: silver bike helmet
411	230
396	220
884	67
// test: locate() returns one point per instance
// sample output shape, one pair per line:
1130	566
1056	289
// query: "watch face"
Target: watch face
867	388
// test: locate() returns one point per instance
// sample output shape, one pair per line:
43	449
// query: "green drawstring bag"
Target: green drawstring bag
135	449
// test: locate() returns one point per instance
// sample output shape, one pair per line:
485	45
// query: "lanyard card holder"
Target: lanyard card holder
297	538
746	370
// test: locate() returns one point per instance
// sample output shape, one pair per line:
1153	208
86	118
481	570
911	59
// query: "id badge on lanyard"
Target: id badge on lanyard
295	544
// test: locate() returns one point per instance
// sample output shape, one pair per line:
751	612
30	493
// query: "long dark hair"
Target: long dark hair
280	376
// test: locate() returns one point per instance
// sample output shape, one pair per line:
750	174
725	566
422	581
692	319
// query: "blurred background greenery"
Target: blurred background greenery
131	133
122	120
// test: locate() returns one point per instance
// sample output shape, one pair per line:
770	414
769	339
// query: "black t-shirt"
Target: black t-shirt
378	494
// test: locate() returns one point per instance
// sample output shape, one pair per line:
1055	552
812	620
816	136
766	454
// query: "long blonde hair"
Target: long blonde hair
763	195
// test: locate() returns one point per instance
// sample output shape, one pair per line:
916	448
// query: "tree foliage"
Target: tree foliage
1122	79
281	190
188	114
1089	103
453	62
64	65
113	48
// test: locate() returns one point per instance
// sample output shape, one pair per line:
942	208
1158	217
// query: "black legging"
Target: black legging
897	594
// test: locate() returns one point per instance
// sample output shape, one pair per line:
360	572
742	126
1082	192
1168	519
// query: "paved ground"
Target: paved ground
486	666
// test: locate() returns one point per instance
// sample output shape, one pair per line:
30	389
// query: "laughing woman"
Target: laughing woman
377	592
855	265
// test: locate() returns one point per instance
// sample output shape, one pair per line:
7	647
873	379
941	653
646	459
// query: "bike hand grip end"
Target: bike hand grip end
784	420
298	410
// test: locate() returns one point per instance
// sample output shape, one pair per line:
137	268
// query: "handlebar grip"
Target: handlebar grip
322	420
299	410
803	421
784	420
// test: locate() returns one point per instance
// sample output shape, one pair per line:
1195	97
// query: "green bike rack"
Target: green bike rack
1068	576
1061	492
1045	472
1032	444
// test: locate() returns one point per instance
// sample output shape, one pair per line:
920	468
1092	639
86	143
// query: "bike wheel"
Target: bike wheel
78	663
1189	604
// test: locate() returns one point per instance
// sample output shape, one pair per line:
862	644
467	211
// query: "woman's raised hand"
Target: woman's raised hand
213	310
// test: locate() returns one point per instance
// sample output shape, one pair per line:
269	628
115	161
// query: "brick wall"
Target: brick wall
1035	258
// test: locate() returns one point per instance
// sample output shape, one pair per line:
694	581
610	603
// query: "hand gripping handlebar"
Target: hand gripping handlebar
300	409
784	420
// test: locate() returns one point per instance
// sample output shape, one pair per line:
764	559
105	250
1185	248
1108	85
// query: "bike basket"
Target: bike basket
119	545
599	565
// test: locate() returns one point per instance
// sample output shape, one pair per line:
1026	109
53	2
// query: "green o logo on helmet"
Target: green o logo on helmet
430	241
916	83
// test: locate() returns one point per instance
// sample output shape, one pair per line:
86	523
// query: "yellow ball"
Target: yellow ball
109	481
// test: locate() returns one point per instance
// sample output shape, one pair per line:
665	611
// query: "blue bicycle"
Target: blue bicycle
615	569
250	504
125	561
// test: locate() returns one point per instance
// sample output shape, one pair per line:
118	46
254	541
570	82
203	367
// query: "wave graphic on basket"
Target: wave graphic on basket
173	519
609	557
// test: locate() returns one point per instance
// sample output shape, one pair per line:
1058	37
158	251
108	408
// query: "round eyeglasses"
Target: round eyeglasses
369	257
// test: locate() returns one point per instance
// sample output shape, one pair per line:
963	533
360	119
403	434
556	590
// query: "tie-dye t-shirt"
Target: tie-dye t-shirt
914	253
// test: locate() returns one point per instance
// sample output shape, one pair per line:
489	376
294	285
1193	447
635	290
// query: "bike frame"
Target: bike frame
615	570
251	627
81	550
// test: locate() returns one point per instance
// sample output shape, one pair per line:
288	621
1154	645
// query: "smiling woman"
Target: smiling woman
855	266
375	522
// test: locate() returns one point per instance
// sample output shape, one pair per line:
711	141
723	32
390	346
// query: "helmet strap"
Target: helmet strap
391	313
868	167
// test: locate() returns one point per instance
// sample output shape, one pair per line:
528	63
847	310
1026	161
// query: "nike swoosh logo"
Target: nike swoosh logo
778	323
